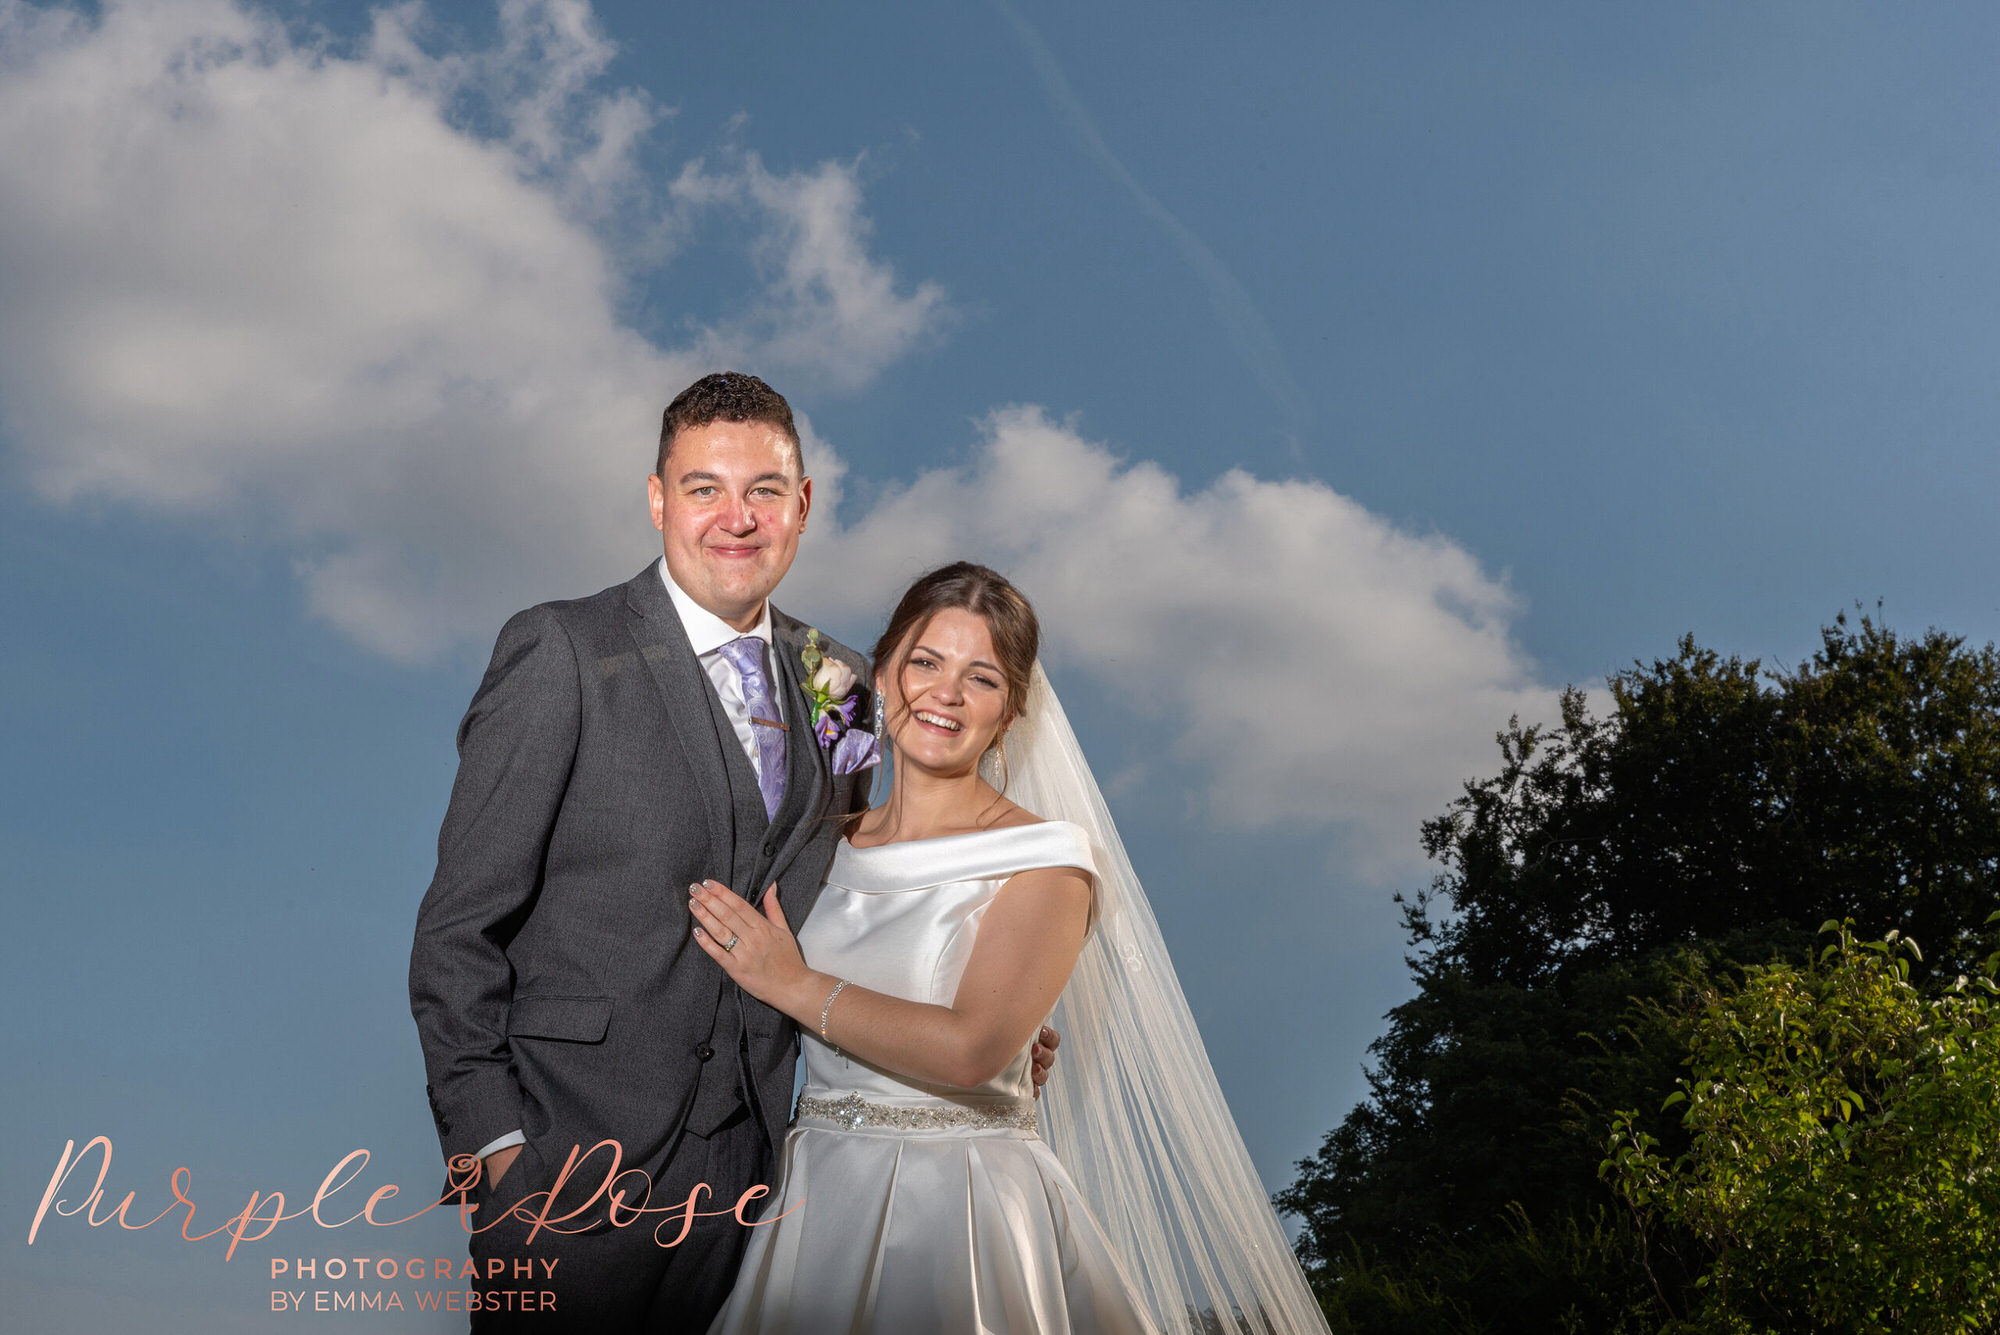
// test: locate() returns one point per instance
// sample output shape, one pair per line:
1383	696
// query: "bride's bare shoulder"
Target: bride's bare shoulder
1007	815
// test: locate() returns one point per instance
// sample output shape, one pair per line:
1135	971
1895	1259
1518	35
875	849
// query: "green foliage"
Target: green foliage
1715	808
1843	1162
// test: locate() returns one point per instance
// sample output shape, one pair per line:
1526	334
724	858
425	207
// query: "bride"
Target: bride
925	1190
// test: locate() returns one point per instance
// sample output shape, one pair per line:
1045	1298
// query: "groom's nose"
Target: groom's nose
737	516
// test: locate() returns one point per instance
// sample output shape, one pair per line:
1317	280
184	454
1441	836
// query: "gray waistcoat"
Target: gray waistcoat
726	1084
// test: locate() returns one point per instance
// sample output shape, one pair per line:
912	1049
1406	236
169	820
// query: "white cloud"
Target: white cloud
828	309
539	83
241	272
1310	661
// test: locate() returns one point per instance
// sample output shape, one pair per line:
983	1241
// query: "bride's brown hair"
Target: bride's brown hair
1017	635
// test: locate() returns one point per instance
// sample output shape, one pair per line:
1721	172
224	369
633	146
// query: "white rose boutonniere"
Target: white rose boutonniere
830	686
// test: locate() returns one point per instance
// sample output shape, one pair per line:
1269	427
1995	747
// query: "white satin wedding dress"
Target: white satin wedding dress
915	1209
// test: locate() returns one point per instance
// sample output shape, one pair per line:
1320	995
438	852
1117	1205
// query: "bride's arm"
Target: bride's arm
1028	942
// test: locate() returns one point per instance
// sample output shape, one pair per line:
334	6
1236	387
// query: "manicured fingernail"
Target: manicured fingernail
694	889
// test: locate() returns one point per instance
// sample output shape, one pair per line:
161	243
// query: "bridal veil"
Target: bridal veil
1134	1111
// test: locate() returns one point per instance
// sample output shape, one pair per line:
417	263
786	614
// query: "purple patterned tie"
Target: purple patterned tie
746	655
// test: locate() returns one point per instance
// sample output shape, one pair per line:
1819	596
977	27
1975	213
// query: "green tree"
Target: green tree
1842	1170
1712	807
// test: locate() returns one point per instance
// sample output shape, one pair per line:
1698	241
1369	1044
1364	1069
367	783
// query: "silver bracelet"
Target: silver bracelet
823	1010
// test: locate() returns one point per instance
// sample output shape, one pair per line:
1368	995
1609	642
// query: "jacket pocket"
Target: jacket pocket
573	1019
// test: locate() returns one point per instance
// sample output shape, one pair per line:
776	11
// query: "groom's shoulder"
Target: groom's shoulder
591	607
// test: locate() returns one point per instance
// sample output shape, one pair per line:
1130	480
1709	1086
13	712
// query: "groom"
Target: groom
619	748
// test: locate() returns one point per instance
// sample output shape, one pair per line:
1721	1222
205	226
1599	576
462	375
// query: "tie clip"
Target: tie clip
771	723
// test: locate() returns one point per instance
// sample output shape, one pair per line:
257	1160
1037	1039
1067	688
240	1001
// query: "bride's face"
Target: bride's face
953	695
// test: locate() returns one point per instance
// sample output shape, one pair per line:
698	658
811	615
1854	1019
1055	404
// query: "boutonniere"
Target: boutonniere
832	688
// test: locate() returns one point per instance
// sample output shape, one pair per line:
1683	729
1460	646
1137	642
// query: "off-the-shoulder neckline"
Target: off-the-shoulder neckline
853	847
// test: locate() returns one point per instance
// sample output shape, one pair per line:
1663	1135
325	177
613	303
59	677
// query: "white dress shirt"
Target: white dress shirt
708	632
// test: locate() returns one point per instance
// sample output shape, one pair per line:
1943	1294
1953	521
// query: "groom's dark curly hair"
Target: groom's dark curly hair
726	396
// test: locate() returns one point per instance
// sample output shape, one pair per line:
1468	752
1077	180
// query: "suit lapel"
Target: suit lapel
808	767
684	693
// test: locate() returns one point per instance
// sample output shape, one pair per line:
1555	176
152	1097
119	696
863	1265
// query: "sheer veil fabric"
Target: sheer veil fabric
1133	1110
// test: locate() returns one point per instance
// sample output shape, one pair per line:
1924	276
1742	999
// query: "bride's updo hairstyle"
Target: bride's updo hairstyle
985	593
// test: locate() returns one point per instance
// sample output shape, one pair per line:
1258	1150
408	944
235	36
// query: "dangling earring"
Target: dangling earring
881	750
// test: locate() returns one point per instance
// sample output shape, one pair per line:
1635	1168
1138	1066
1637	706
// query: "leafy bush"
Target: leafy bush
1843	1162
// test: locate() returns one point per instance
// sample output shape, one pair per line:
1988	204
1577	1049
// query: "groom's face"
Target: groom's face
730	505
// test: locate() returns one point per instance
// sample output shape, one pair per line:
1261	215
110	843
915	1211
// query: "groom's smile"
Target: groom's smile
730	503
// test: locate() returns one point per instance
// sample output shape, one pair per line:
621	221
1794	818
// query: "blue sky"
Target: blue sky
1338	379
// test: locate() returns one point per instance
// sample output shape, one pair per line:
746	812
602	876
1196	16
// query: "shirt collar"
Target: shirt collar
706	631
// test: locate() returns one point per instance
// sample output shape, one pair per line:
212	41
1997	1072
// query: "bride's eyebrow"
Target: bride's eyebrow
977	662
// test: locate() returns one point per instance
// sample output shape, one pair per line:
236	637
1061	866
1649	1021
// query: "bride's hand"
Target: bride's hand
764	957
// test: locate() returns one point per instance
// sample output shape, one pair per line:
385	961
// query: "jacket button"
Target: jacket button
771	850
703	1051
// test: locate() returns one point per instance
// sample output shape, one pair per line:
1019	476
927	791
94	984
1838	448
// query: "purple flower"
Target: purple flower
857	750
828	727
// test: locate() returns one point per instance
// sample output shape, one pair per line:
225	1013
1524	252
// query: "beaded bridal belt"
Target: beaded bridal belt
853	1110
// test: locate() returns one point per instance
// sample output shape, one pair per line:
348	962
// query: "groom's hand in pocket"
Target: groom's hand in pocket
498	1162
1043	1057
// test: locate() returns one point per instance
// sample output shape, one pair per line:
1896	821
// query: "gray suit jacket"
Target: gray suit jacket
553	979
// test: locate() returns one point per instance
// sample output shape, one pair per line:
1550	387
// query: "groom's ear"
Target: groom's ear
805	501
